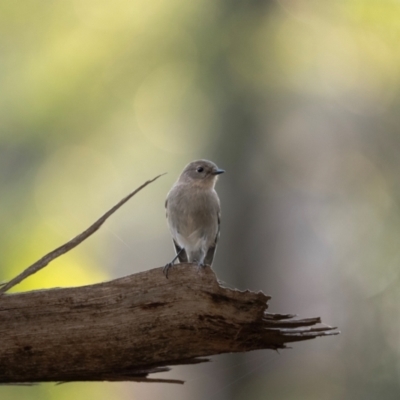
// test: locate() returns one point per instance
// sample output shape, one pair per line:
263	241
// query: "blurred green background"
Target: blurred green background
298	100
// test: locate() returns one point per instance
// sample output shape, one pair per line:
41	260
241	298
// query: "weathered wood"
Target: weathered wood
130	327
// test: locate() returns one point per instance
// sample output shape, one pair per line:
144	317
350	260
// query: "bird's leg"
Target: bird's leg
170	264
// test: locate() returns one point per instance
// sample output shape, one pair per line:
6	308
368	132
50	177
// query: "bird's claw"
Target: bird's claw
169	265
200	266
166	269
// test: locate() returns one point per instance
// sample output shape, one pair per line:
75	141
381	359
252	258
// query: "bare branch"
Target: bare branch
59	251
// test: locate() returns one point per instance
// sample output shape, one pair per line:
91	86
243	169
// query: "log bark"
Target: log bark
128	328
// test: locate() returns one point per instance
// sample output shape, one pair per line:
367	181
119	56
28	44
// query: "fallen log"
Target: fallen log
131	327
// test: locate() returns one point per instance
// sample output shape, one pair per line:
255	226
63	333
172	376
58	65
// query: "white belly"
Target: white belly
196	246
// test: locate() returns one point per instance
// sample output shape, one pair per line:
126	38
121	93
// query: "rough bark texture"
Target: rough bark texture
130	327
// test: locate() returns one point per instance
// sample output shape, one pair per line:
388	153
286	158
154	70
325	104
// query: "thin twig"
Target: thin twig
38	265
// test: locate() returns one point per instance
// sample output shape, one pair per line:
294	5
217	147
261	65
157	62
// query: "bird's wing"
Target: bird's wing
178	250
211	250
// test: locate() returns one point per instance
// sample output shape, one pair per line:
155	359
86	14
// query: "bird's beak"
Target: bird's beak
218	171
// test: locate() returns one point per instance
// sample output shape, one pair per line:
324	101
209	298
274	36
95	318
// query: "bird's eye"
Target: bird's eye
200	169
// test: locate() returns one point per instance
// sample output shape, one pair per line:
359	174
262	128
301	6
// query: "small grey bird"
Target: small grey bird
193	214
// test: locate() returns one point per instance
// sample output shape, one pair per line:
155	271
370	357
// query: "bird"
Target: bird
194	215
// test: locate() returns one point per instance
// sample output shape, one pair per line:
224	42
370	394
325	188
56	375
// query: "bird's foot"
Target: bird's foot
199	266
166	269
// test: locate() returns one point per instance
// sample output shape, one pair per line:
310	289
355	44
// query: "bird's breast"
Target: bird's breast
193	214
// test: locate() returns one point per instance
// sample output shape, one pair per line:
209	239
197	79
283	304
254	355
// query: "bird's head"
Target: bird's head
201	172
